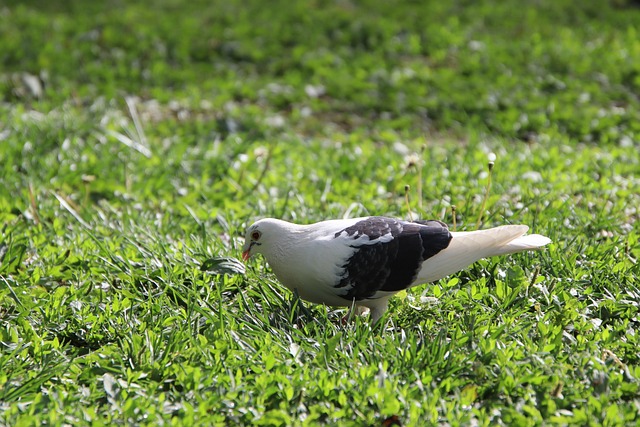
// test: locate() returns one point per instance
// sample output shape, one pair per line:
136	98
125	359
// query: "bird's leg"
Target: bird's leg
358	309
378	310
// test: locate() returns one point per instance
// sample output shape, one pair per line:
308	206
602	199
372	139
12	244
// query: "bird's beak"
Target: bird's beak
246	251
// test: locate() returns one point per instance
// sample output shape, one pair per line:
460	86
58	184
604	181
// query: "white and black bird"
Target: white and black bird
365	261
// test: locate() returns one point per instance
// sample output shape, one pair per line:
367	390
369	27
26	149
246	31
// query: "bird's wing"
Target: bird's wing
388	254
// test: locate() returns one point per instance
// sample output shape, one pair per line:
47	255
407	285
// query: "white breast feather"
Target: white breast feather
312	262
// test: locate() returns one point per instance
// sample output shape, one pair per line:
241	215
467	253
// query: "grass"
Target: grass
138	141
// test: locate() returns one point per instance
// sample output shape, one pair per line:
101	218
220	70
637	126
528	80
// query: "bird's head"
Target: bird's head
263	236
252	241
270	237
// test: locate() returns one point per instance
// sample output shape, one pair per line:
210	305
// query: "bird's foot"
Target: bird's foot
354	309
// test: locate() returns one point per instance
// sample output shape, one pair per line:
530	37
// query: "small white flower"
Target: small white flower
532	176
314	91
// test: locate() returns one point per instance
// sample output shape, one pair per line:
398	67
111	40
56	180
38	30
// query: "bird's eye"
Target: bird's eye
255	235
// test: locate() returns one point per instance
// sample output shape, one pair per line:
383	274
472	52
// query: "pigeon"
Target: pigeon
363	262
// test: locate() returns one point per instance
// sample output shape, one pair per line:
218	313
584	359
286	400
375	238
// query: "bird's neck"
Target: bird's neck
291	236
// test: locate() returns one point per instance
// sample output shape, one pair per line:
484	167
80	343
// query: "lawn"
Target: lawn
139	139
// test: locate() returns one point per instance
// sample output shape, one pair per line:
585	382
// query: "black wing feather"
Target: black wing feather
392	265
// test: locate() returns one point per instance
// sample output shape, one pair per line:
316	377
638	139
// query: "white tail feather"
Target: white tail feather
468	247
